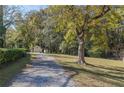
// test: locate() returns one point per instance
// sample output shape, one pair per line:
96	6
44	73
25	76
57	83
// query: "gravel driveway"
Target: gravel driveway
42	72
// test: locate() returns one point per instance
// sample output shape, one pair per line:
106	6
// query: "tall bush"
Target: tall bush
9	55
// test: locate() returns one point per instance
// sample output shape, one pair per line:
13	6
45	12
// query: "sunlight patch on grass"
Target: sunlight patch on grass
99	72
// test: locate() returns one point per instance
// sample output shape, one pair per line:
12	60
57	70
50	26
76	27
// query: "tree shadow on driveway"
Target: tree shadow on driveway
43	73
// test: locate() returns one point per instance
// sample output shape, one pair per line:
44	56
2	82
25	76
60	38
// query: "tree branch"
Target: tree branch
105	10
9	21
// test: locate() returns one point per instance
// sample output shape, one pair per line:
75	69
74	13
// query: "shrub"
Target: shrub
9	55
96	53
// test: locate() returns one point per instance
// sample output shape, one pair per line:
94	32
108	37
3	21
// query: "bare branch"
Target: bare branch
9	15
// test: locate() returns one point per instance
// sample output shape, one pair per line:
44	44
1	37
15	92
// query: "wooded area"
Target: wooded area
92	31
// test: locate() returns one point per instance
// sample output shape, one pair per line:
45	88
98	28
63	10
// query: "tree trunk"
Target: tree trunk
81	59
1	42
1	27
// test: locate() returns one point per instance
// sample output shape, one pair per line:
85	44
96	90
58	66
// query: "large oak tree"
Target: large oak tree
76	21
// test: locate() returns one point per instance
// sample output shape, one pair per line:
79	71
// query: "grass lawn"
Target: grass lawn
7	71
99	72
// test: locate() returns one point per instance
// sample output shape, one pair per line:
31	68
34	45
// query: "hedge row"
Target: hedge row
9	55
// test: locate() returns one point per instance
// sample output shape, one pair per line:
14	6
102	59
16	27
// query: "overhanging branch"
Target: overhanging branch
105	10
